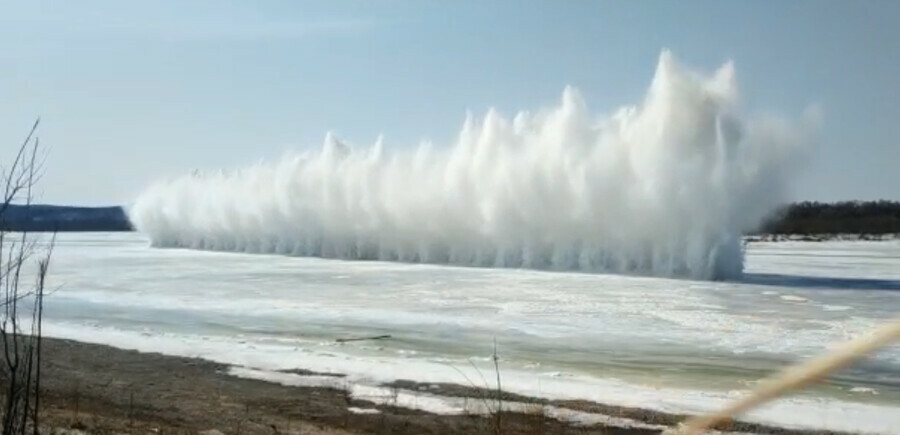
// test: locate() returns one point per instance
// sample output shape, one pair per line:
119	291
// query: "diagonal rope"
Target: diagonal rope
796	377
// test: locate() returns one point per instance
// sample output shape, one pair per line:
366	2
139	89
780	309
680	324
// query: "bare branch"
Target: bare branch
20	325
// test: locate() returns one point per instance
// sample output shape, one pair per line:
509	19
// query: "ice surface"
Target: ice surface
667	344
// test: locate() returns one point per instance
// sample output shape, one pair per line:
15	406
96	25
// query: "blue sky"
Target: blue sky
130	91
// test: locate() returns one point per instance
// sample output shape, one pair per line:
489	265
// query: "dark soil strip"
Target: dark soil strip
101	389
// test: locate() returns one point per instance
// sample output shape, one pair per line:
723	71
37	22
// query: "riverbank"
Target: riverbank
101	389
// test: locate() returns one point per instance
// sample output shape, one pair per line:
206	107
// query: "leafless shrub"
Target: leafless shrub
21	301
485	389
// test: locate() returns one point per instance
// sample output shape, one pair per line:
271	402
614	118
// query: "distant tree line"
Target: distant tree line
848	217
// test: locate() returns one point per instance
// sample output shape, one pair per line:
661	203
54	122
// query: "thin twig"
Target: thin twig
499	426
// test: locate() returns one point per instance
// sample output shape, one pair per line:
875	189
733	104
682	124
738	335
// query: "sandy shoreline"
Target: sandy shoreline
101	389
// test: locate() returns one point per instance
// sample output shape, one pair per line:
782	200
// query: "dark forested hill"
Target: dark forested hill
850	217
59	218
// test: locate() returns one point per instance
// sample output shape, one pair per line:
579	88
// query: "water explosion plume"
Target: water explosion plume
666	187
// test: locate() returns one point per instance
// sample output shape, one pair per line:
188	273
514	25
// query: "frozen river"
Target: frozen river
666	344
